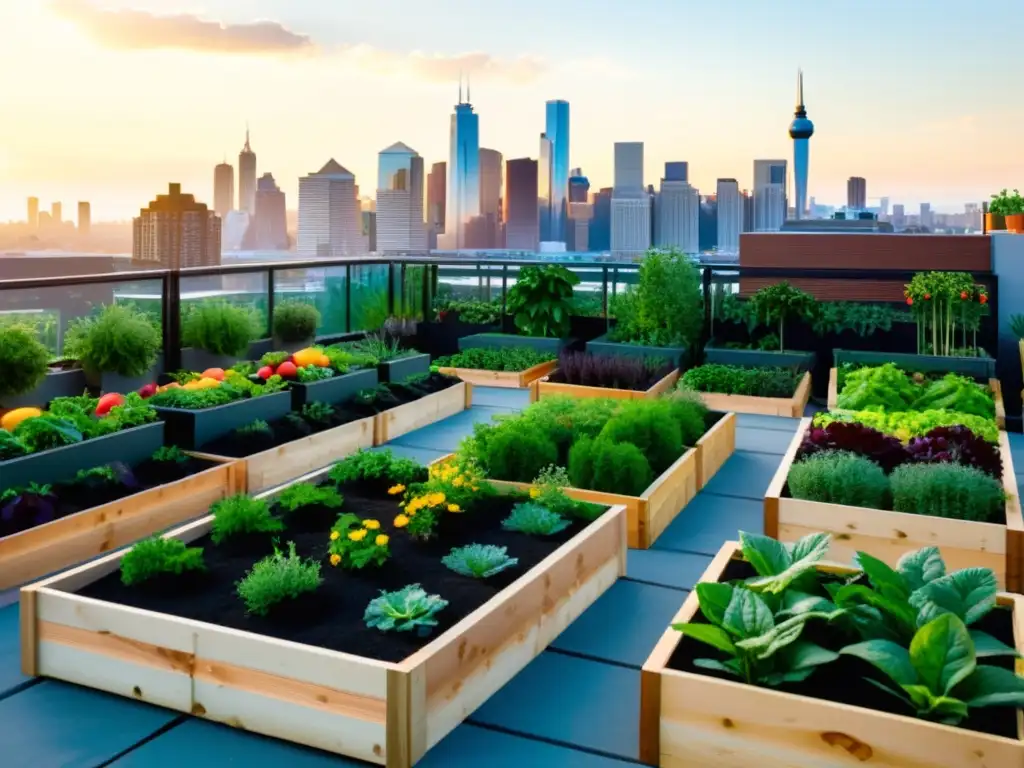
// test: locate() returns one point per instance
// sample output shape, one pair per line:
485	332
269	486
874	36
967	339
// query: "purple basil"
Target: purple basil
886	451
26	510
610	372
957	445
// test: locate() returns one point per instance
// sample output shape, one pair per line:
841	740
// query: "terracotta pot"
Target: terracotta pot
994	222
1015	223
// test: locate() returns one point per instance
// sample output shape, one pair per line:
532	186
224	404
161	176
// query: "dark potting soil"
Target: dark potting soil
332	616
242	444
843	681
75	497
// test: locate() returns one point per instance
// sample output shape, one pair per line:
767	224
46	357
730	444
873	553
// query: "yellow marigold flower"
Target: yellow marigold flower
411	512
457	482
382	540
401	521
373	525
435	499
534	493
454	508
335	559
335	535
357	535
394	490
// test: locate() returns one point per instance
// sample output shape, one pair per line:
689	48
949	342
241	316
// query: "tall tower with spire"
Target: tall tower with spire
247	178
800	130
463	189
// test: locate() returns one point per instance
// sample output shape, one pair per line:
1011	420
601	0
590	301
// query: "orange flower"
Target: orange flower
401	521
335	559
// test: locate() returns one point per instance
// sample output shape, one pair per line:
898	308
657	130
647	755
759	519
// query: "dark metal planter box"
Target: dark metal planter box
601	346
55	384
979	368
193	429
404	367
503	341
113	382
129	446
801	361
199	360
333	391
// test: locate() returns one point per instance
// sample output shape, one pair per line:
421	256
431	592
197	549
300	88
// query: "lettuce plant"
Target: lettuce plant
535	520
479	561
410	608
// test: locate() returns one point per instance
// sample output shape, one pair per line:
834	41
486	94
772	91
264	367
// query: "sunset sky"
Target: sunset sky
109	100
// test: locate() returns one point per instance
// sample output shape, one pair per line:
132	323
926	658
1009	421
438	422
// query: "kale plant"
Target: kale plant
479	561
407	609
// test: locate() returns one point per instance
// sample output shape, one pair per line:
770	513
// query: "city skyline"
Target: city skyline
130	139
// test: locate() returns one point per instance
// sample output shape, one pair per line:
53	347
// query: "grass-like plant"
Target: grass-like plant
307	494
23	360
535	520
295	322
479	561
839	477
120	339
948	490
276	578
612	371
156	556
239	515
219	327
409	608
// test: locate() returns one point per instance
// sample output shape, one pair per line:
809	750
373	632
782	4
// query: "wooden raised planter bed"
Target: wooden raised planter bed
651	512
70	540
510	379
887	535
273	467
547	388
793	407
688	720
993	384
419	413
384	713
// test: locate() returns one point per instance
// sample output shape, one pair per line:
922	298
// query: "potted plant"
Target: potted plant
216	334
117	348
661	315
455	317
394	362
1013	213
995	219
295	324
27	378
540	304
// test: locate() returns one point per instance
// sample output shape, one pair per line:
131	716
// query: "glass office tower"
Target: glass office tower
557	131
463	174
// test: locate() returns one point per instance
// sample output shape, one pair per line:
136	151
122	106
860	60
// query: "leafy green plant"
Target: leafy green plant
410	608
295	322
313	373
780	302
1017	326
23	360
1006	204
373	466
318	413
357	543
258	427
170	454
219	327
156	556
737	380
839	477
665	308
884	386
541	300
499	359
517	451
120	340
133	412
274	359
239	515
534	520
10	446
468	310
479	561
307	494
907	424
276	578
46	432
105	473
956	393
948	490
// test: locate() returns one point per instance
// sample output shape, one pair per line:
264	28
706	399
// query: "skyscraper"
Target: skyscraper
926	218
522	213
84	218
678	216
677	171
856	193
437	180
56	217
544	167
769	195
33	213
899	218
268	231
400	200
600	238
176	231
800	130
631	204
556	128
491	186
223	188
463	173
247	178
579	186
330	218
730	215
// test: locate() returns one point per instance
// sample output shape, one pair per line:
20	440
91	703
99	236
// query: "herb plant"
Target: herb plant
611	371
23	360
533	519
357	543
219	327
10	446
170	454
541	300
502	359
839	477
548	490
665	307
376	466
24	508
468	310
410	608
307	494
46	432
738	380
295	322
156	556
311	374
479	561
258	427
319	413
240	514
120	339
904	425
276	578
948	490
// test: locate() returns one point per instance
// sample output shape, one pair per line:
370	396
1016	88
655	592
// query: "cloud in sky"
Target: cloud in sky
134	30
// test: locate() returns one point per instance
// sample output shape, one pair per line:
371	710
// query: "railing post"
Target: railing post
391	288
348	298
705	331
270	303
504	292
604	298
171	290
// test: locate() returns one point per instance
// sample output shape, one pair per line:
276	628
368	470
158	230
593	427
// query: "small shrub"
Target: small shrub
295	322
407	609
120	340
517	451
274	359
219	327
535	520
240	514
541	300
377	466
155	556
312	374
306	495
276	578
947	490
651	426
23	360
170	454
603	465
479	561
690	413
838	477
611	371
357	543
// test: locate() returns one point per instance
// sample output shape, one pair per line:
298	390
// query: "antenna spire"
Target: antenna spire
799	87
469	99
246	147
460	86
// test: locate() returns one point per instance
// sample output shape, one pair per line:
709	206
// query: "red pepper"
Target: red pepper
909	300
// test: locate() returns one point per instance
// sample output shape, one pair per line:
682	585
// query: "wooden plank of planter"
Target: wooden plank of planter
510	379
552	388
888	535
696	721
275	466
792	407
398	421
385	713
69	540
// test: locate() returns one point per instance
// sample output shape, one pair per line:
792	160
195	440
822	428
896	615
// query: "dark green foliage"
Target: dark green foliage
276	578
23	360
318	413
295	322
306	495
535	520
46	432
501	359
948	490
469	310
690	414
541	300
120	340
170	454
240	514
479	561
602	465
156	556
516	450
133	412
839	477
274	359
258	427
780	302
313	373
650	426
10	446
377	466
219	327
738	380
664	308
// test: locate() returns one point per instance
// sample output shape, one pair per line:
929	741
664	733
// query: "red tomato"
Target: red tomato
107	402
265	372
213	373
287	370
